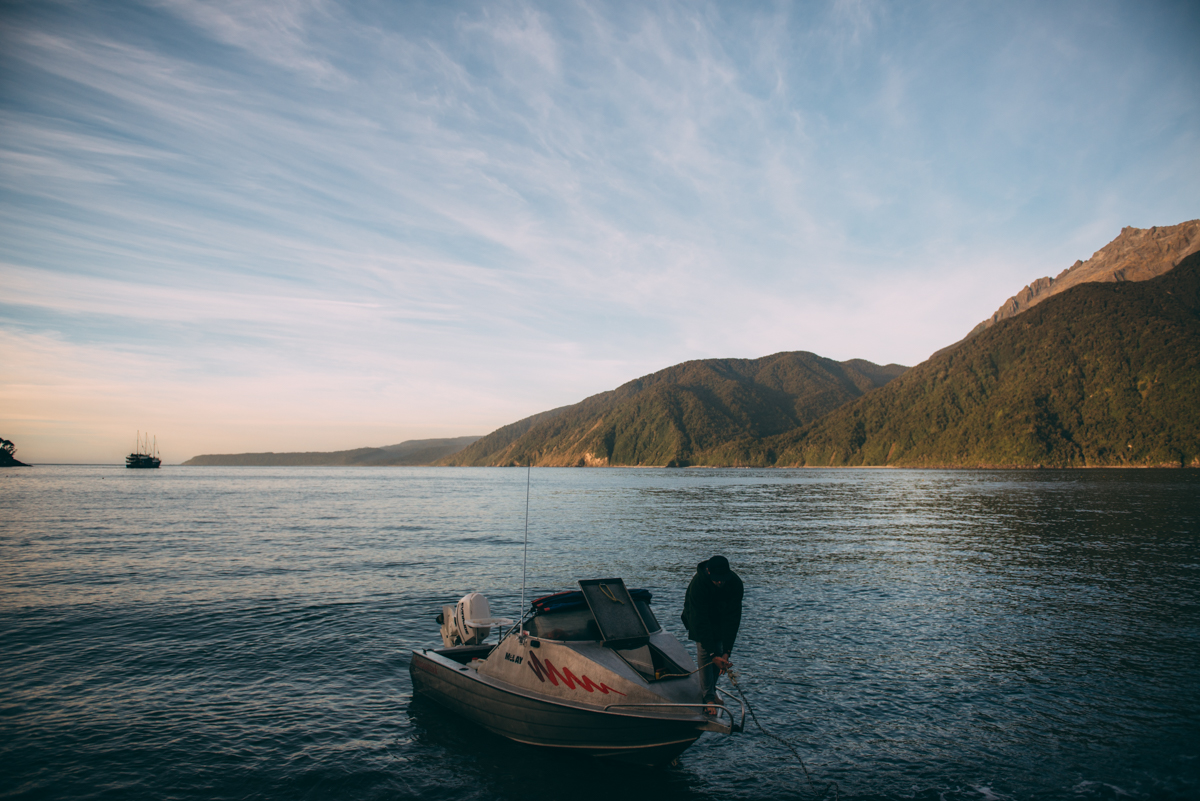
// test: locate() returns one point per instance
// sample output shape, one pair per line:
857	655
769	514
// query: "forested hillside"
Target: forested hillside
1103	374
684	415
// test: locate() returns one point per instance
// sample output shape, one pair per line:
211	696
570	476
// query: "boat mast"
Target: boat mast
525	555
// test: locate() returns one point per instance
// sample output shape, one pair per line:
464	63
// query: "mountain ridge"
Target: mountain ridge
1103	374
675	416
1136	254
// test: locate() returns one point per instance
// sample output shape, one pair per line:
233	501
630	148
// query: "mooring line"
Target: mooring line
832	784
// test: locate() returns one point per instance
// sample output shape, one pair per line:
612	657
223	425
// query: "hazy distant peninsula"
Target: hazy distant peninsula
412	453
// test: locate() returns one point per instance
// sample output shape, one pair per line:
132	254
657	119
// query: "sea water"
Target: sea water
244	633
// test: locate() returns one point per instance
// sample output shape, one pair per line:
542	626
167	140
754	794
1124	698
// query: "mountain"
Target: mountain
694	413
1097	367
1137	254
412	452
1101	374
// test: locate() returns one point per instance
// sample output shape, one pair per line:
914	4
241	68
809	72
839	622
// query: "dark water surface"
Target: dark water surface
244	633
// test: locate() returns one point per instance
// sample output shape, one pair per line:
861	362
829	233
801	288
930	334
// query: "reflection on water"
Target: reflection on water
243	632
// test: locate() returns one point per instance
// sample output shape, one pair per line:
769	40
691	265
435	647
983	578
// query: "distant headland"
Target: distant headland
8	454
413	452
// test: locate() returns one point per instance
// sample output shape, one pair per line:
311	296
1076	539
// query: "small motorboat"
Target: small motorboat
589	671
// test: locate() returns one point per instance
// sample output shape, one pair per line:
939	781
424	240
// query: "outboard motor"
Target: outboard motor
470	621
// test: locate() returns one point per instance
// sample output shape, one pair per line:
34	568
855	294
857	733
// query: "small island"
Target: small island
8	456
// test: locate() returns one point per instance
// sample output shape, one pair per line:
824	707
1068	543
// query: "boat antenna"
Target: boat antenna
525	555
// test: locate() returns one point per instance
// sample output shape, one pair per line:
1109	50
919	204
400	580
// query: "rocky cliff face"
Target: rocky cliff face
1138	254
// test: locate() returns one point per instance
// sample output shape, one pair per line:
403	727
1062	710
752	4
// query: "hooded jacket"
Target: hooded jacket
713	614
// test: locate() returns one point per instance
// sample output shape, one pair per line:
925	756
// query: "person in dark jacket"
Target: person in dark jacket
712	612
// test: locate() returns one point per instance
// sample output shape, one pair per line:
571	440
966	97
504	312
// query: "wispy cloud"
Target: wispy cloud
277	31
477	211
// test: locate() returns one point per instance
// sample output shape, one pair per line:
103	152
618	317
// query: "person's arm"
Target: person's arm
731	617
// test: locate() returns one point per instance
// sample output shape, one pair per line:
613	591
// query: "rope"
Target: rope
733	680
658	676
785	743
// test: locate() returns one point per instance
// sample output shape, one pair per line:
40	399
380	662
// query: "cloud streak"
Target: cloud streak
474	212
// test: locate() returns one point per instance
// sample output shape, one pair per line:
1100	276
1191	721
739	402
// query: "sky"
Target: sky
308	225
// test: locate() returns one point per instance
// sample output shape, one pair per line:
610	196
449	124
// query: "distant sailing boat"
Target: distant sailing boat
145	455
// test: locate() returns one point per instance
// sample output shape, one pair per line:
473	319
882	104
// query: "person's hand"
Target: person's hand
722	662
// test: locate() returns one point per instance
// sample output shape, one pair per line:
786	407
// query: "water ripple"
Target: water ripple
244	633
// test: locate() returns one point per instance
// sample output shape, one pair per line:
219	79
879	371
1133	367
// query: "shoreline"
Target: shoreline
1031	468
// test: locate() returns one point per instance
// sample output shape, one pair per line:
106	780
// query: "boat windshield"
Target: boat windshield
577	624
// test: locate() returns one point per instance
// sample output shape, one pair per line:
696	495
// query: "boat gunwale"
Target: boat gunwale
513	689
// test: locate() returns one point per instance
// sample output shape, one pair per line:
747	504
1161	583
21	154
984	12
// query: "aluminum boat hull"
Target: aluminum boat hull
639	736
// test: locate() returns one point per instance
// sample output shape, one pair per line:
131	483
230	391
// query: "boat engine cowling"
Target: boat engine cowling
470	621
